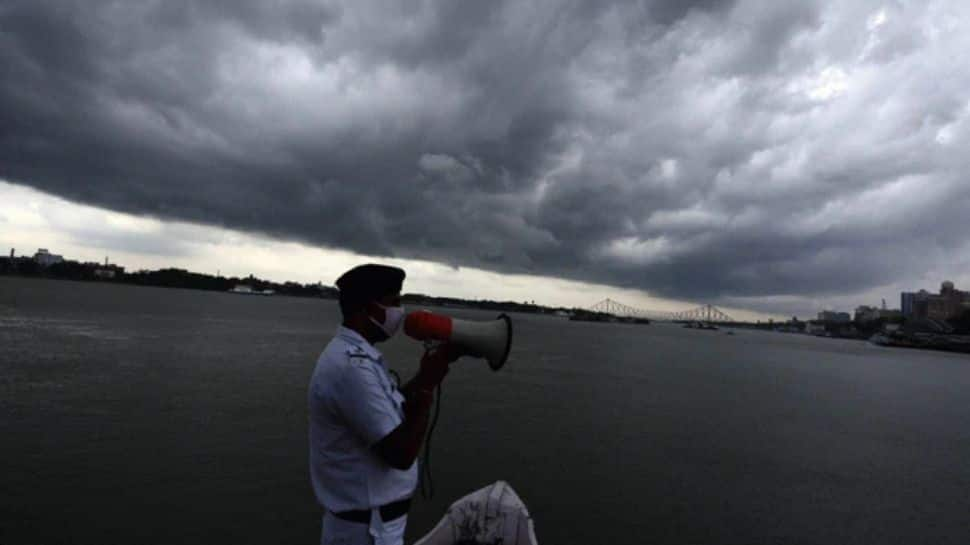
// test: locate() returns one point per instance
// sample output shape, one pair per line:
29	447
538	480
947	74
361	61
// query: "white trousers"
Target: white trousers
344	532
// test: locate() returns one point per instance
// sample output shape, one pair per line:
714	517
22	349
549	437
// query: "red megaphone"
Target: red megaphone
490	339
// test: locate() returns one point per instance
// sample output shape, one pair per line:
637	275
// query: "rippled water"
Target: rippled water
147	415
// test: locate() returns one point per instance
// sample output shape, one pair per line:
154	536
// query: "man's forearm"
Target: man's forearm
417	411
401	447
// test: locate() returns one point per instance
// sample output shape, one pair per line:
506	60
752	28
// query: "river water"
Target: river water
137	415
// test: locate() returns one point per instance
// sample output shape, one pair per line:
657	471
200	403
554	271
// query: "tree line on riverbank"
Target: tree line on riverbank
181	278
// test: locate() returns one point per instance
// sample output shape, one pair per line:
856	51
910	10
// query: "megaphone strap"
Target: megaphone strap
427	483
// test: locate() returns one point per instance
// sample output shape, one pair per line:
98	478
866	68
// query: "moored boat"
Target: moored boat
243	289
490	516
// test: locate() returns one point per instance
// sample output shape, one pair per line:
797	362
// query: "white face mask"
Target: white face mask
393	317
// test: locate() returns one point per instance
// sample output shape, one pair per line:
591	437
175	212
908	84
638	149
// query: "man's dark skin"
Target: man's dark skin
400	448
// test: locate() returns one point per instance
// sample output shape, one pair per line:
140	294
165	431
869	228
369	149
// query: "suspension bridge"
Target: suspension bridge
703	313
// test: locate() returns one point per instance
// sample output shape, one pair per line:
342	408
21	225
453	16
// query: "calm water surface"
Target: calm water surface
147	415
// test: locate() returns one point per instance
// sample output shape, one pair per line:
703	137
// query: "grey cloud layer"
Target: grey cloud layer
703	150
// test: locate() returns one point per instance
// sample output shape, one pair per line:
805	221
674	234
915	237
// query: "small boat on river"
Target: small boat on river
493	515
701	325
243	289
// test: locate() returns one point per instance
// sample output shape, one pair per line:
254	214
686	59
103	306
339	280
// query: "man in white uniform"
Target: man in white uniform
365	433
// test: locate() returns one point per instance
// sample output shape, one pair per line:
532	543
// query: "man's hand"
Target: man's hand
434	364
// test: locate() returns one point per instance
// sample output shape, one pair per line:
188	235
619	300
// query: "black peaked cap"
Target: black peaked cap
370	281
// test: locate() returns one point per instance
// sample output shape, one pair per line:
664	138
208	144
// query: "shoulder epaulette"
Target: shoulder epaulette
357	352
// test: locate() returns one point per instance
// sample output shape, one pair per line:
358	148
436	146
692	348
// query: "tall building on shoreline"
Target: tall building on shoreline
907	300
948	304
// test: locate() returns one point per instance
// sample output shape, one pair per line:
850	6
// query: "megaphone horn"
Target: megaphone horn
490	339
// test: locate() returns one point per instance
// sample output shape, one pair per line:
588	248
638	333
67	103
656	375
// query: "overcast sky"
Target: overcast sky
773	156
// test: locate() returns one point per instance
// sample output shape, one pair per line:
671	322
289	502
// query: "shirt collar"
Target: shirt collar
356	339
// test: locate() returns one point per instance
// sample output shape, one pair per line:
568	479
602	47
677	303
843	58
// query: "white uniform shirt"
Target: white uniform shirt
353	405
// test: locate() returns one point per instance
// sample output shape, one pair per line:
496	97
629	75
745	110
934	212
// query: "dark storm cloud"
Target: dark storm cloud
705	150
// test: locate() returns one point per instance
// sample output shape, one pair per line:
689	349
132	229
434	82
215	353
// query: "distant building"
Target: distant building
948	304
866	313
45	259
832	316
906	301
108	272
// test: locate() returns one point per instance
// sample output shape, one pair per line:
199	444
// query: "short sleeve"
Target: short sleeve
364	404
